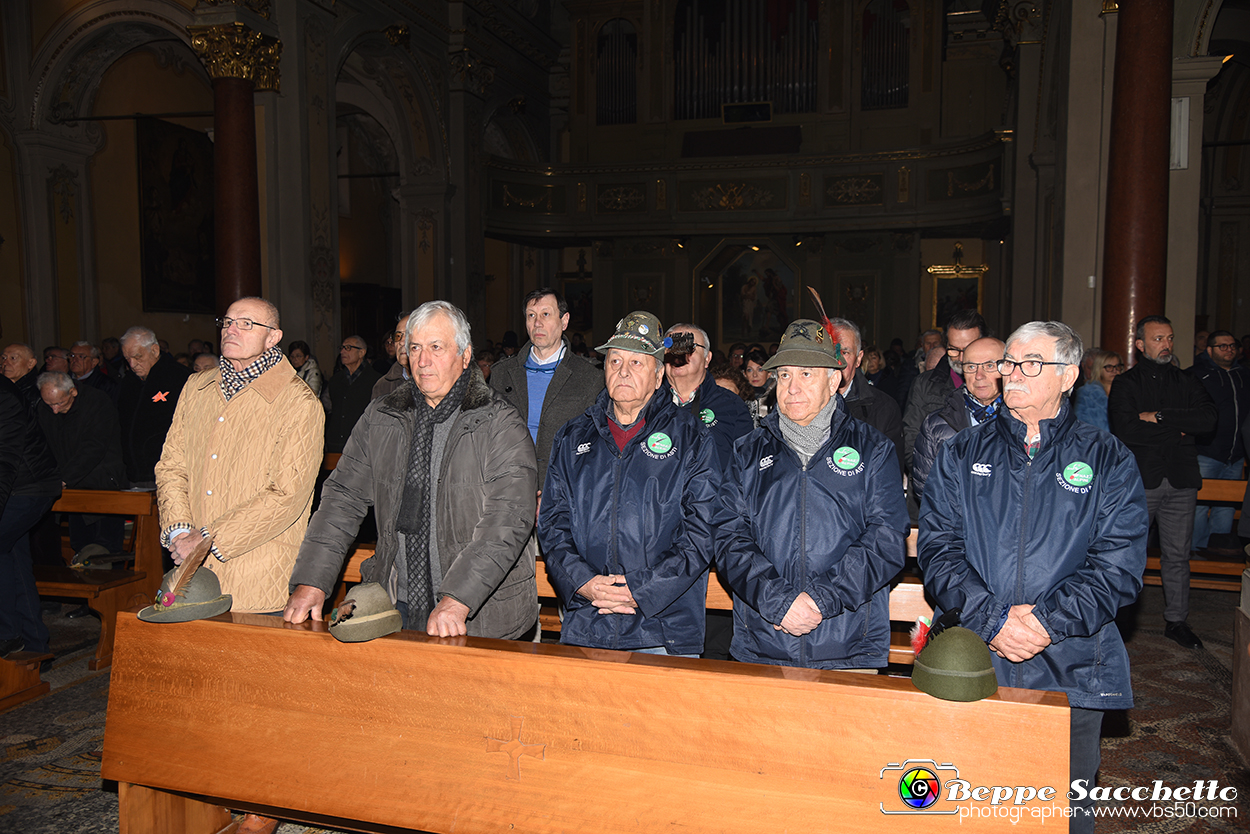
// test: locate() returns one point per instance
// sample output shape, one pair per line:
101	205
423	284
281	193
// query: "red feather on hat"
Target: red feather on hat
834	335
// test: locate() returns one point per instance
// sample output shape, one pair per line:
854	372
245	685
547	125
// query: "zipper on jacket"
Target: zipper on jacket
803	553
1024	504
614	562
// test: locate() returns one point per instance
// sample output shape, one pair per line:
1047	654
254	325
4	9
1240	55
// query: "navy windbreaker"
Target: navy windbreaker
1065	532
836	530
647	513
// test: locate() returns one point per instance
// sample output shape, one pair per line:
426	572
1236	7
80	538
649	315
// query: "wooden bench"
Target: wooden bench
410	732
1212	574
907	599
107	591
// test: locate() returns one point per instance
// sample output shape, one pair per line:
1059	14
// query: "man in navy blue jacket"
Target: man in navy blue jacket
628	515
1033	526
818	521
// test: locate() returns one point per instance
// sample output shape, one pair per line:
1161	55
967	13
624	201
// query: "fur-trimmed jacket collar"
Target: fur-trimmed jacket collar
401	400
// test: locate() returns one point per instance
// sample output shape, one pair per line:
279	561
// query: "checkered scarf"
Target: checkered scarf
232	381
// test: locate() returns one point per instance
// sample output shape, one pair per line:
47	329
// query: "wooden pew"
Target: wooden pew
464	735
108	591
1213	574
907	599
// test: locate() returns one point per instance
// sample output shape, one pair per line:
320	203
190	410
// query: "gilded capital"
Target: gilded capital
235	51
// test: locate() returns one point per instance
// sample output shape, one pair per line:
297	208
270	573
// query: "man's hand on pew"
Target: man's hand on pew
182	547
447	619
306	602
1021	637
803	616
610	594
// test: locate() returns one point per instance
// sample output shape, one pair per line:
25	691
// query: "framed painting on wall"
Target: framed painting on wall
758	293
578	291
176	238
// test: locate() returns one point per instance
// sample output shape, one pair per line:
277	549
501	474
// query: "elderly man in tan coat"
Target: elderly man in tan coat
239	464
240	461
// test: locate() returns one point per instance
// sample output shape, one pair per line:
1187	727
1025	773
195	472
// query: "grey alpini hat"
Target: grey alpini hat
638	332
365	614
805	344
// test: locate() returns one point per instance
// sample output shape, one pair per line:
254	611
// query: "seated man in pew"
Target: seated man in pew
819	521
629	511
449	468
1033	526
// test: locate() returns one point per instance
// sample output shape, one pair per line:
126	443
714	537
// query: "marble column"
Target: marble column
1135	259
240	61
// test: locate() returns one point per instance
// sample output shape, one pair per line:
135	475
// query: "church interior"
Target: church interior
708	161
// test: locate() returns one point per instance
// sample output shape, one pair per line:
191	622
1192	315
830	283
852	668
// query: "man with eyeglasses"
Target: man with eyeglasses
1157	410
397	374
1221	453
84	363
930	390
240	460
348	393
1033	528
977	402
722	413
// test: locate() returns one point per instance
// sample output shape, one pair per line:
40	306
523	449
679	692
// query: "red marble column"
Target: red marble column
1136	231
237	200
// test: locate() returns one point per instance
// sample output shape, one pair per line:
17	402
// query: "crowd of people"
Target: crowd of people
796	468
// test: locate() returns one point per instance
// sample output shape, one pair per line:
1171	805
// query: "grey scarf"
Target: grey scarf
807	440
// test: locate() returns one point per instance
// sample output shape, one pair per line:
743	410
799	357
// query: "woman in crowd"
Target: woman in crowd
305	365
764	395
1091	398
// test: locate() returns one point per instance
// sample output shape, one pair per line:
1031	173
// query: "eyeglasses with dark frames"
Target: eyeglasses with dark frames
243	324
1028	367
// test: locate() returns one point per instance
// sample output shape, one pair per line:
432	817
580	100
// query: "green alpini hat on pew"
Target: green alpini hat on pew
366	614
955	666
199	598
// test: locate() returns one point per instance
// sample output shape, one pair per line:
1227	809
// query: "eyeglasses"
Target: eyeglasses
1115	369
80	356
970	368
1029	367
397	336
243	324
351	347
1225	346
954	351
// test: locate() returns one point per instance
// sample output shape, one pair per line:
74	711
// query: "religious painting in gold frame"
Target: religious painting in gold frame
956	287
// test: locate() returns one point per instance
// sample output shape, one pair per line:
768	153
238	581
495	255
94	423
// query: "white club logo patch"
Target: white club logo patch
983	469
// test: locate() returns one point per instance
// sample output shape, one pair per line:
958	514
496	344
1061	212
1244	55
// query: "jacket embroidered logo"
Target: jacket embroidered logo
583	448
659	443
845	458
766	462
160	397
982	469
1078	473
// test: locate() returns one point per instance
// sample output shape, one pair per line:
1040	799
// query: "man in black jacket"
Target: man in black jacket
146	403
1156	409
1220	453
28	487
931	388
81	427
349	393
863	400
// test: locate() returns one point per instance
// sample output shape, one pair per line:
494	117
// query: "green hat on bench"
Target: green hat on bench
365	614
199	599
955	666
